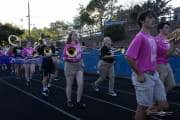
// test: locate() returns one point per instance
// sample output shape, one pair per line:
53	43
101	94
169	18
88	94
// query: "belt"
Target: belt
150	72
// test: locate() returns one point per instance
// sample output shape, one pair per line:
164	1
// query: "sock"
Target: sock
45	88
49	84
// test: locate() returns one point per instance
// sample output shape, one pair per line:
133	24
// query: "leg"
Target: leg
170	81
32	70
140	113
144	95
26	68
69	83
163	73
103	71
160	93
79	78
111	76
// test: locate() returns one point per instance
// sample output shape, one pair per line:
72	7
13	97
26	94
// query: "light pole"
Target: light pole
29	23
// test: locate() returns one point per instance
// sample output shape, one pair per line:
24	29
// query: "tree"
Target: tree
59	29
159	7
96	9
77	23
116	32
84	18
8	29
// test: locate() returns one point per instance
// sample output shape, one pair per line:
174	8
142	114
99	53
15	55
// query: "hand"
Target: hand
83	65
141	78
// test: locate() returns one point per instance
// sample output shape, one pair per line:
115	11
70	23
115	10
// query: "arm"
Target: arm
132	54
108	56
132	63
172	48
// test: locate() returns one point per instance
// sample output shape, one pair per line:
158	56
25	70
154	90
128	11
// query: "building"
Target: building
177	14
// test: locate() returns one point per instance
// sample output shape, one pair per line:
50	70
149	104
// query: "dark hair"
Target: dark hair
144	15
161	25
69	40
83	43
42	35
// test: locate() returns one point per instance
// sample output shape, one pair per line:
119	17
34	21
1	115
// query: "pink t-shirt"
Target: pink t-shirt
27	52
76	58
143	50
162	48
1	53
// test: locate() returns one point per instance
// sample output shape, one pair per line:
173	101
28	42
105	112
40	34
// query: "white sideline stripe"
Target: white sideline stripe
103	101
129	93
95	99
42	101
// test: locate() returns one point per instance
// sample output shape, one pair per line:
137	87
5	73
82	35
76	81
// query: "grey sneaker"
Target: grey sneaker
28	83
112	93
45	93
69	104
95	87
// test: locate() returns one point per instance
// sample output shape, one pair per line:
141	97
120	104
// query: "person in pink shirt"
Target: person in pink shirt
141	56
27	52
164	50
73	68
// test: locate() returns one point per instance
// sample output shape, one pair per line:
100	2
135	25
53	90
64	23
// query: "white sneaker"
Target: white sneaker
49	85
112	93
95	87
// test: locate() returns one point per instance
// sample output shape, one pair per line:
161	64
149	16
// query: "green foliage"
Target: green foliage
116	32
159	7
56	31
6	30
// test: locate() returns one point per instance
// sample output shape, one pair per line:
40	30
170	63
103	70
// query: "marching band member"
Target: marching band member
106	67
73	68
47	65
10	54
165	49
17	54
27	53
141	55
55	59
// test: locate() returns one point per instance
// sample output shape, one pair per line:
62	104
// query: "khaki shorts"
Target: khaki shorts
166	75
71	69
150	91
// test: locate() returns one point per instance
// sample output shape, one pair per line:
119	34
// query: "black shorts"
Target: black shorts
48	66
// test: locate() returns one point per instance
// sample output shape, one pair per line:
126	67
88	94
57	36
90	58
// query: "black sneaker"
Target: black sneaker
81	105
45	93
69	104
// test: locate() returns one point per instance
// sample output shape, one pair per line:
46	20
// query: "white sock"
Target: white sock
45	88
49	84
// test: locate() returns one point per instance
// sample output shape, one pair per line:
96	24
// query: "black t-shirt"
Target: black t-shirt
17	51
106	51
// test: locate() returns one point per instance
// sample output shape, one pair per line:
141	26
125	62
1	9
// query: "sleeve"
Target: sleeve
14	50
104	51
63	53
135	47
23	53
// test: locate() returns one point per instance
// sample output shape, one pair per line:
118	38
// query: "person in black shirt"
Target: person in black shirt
17	52
48	66
56	59
106	67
